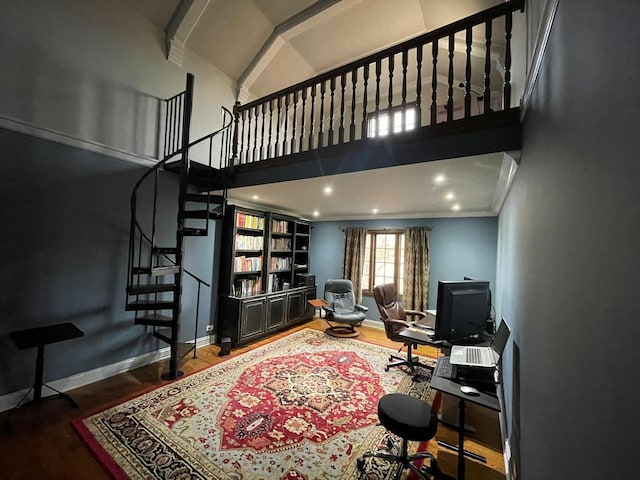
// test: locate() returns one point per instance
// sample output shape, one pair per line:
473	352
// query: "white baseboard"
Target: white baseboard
9	401
66	139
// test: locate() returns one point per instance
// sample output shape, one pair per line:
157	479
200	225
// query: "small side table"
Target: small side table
318	303
39	337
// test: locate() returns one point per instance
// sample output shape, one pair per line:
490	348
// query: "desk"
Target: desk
39	337
452	387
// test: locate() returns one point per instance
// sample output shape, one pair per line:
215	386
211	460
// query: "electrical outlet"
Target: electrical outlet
209	328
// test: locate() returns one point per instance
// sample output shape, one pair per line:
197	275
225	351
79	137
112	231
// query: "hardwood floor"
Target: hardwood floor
43	444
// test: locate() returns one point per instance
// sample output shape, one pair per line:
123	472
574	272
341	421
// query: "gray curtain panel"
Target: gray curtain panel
416	268
353	260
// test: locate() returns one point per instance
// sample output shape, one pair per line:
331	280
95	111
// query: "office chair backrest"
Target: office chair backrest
386	297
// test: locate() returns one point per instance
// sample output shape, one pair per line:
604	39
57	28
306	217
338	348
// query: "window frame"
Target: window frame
398	232
390	112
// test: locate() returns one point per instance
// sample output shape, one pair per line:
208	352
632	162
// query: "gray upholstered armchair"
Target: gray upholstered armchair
342	309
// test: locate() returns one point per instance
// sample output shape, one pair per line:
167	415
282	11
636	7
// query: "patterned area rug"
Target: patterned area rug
302	407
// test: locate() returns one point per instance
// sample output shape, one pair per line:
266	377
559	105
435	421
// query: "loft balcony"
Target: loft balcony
445	94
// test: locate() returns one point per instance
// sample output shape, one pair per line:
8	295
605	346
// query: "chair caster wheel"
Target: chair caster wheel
386	369
360	464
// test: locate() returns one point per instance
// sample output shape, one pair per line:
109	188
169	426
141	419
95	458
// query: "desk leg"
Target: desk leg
461	408
37	385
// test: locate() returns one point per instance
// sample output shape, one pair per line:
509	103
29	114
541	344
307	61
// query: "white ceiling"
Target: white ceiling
231	33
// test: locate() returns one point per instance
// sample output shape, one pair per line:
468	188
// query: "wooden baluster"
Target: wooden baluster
405	61
467	76
270	128
365	84
262	135
295	117
343	82
352	126
434	82
418	84
241	139
279	111
390	103
452	45
332	87
256	152
302	117
311	119
321	121
487	68
286	123
377	110
248	137
507	61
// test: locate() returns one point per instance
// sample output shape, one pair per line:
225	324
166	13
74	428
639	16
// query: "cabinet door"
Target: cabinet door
252	318
294	307
276	309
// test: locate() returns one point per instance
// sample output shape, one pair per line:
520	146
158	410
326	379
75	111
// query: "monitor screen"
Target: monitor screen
463	309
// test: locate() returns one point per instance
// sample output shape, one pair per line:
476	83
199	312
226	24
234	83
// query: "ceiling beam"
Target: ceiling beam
284	31
182	23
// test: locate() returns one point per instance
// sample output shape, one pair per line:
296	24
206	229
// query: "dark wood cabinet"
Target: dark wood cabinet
261	254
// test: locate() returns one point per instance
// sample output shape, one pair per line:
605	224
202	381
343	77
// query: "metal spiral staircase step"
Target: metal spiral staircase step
184	348
204	198
150	288
156	271
194	232
150	305
214	214
155	319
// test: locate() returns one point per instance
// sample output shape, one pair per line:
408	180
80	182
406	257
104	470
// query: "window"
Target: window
397	120
384	259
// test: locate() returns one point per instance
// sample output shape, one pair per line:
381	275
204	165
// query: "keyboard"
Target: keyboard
444	369
473	355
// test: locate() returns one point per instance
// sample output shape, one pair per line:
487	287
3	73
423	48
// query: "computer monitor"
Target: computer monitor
463	309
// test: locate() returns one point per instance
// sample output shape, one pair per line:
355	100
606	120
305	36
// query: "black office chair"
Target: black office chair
411	419
394	317
342	310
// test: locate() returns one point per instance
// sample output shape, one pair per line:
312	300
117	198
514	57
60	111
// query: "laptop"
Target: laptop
485	357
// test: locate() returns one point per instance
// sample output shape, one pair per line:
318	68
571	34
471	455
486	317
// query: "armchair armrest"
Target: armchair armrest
398	322
415	313
361	308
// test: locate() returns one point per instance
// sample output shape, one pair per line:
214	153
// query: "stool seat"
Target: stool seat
407	417
413	420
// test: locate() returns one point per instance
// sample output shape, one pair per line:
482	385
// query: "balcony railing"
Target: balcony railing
457	71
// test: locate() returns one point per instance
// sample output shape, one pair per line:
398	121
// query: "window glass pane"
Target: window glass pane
410	119
372	127
397	121
384	124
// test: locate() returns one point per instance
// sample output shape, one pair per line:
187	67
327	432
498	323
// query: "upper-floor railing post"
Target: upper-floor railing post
235	148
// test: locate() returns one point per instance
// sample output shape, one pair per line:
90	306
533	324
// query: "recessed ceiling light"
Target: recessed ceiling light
316	213
328	189
255	197
449	196
456	207
374	211
439	178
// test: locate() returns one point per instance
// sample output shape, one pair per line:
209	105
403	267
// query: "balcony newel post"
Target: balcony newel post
235	144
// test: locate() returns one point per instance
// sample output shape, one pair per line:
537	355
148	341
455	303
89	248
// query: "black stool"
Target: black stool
411	419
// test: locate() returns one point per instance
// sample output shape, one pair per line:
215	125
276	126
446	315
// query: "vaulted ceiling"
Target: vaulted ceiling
266	45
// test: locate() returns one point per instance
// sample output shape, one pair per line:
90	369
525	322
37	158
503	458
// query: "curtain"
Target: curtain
416	268
353	260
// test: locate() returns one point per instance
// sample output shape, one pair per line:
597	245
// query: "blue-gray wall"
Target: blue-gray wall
65	218
569	256
459	247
